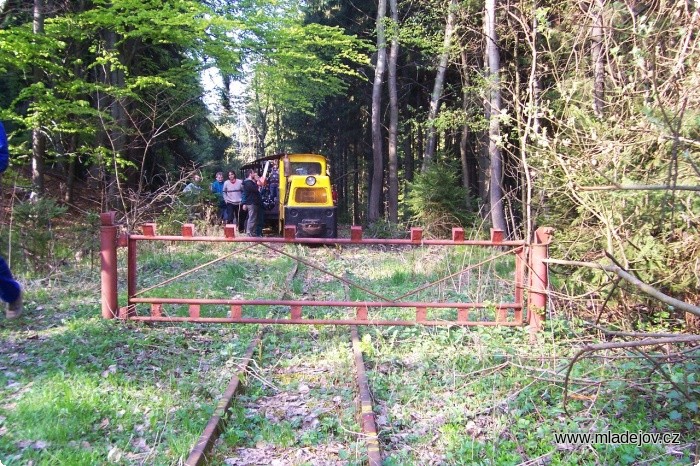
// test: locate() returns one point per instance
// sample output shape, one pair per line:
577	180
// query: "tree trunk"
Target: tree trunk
226	94
70	167
261	128
113	140
393	202
356	218
374	211
597	58
498	220
431	142
530	117
38	138
408	167
464	136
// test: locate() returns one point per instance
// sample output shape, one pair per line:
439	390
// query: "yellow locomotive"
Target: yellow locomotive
298	192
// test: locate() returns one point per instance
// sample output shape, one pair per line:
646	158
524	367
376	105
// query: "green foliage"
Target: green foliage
171	220
634	151
160	48
295	67
35	223
436	200
84	239
305	64
385	229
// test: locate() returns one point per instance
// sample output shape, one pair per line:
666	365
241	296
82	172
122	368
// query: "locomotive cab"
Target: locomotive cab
306	196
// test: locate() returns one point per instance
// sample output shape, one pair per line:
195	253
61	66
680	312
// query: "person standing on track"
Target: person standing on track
233	192
217	188
253	201
10	289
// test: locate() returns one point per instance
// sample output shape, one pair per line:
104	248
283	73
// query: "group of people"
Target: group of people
241	202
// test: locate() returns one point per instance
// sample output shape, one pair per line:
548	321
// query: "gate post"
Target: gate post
539	278
108	259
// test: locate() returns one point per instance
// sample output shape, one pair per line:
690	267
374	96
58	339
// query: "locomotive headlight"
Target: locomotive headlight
310	180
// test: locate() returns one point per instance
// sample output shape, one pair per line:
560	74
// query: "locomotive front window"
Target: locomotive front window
305	168
310	195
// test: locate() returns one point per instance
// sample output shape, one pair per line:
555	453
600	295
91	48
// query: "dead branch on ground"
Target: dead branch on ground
622	345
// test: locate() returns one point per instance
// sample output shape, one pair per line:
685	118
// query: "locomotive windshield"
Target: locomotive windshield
305	168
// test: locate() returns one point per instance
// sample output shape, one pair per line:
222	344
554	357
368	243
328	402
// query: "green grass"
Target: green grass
75	387
79	390
485	395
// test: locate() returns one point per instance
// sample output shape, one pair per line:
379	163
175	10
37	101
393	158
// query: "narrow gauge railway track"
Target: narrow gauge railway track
306	399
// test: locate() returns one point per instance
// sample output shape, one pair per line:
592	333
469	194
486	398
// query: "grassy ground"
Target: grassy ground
299	406
76	389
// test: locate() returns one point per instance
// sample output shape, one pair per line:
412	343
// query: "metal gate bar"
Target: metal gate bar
296	307
529	258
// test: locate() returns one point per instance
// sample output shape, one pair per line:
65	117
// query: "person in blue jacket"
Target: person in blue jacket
217	187
10	289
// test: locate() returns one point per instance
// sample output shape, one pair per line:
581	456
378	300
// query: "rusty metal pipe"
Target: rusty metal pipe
253	320
519	281
539	278
108	263
352	304
131	267
349	241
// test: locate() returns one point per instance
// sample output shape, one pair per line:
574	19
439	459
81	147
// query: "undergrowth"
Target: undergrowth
80	390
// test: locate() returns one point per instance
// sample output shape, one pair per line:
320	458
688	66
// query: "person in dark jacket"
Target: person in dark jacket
253	201
10	289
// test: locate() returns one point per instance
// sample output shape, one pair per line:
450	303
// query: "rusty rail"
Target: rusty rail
198	455
369	426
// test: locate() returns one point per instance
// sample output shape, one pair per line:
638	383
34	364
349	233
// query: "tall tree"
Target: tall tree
38	138
465	134
393	199
598	57
377	184
431	142
494	117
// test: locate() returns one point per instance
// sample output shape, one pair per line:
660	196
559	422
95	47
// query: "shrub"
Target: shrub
437	202
34	221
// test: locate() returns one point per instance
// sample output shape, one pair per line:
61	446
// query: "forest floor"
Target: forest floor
76	389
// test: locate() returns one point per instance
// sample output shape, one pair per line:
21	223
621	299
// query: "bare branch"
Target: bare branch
639	187
616	333
625	344
628	277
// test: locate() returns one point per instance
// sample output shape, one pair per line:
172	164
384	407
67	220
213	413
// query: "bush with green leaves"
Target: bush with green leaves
199	209
35	228
437	202
385	230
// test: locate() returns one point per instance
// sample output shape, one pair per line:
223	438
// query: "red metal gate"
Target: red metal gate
530	281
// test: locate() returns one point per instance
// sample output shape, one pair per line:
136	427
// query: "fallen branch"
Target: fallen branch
617	333
640	187
628	277
625	344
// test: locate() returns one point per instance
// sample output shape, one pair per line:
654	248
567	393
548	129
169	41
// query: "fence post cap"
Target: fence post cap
108	218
